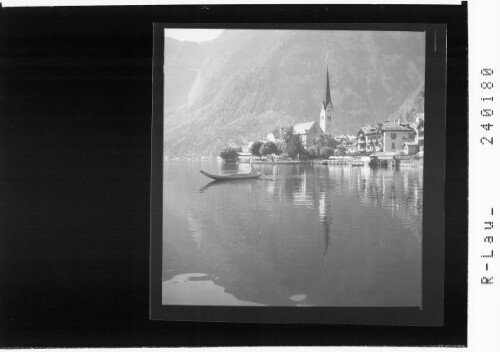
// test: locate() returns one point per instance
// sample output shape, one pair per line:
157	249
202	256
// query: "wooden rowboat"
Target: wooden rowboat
252	174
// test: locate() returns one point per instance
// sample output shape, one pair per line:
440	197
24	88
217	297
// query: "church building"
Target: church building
326	114
309	131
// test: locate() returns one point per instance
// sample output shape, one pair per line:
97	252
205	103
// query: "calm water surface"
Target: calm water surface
309	235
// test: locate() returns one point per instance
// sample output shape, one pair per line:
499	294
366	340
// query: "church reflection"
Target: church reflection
325	218
333	235
398	192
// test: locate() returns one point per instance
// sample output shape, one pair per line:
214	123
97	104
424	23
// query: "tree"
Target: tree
268	148
331	142
340	151
312	152
326	152
324	140
255	148
293	142
280	147
228	154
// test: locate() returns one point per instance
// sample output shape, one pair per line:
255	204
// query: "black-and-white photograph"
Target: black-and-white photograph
293	167
248	175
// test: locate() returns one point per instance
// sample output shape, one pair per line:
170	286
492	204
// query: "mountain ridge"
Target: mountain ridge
238	87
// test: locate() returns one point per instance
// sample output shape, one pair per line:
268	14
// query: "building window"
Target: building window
393	146
393	135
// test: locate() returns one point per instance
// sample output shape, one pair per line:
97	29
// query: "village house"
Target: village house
411	148
394	136
351	148
345	140
368	139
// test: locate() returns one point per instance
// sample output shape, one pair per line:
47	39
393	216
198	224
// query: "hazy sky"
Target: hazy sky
191	34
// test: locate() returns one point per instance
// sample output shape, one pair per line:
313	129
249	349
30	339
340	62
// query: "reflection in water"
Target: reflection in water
325	218
275	242
198	289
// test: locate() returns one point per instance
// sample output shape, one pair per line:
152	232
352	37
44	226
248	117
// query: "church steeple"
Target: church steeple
326	114
328	98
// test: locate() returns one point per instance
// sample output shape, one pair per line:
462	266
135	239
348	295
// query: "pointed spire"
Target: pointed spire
328	99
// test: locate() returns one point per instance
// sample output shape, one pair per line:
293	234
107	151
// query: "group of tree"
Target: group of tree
324	147
229	154
292	146
264	148
289	145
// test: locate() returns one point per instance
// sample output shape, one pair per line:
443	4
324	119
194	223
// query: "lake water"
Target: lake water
309	235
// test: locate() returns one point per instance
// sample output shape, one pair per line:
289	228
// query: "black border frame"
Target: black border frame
432	310
75	179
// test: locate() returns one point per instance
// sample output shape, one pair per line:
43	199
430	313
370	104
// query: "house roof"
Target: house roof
368	130
352	139
303	127
394	127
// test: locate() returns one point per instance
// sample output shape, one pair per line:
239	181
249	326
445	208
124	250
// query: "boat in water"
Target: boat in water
252	174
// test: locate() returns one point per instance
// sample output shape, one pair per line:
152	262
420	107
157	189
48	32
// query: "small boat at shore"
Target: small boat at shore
357	162
249	175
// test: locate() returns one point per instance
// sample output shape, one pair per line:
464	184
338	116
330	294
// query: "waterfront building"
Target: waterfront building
345	140
411	148
393	137
351	148
368	139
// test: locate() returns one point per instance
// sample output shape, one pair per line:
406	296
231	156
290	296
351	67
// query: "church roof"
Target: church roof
328	98
303	127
